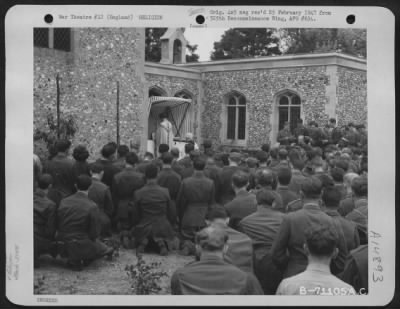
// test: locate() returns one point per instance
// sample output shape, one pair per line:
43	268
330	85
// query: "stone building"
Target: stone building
236	103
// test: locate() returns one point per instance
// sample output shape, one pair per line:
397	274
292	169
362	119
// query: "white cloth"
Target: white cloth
165	135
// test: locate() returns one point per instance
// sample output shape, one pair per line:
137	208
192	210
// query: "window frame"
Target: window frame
290	96
50	43
225	114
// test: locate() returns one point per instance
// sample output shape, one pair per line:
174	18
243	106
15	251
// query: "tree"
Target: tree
246	43
192	57
305	40
153	46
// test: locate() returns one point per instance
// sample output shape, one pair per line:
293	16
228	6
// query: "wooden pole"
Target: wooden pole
58	105
118	113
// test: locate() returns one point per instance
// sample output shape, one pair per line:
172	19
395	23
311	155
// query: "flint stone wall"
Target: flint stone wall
261	87
352	96
88	74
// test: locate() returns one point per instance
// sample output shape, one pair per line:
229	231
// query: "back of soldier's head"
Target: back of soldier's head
96	167
265	147
194	154
167	158
80	153
348	178
83	182
359	186
151	171
175	152
162	148
331	197
264	177
211	238
240	179
321	240
108	150
311	187
199	163
148	156
44	181
265	197
122	150
282	154
251	162
62	145
262	156
337	174
131	158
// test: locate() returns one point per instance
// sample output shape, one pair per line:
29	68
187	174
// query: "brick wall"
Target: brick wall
100	58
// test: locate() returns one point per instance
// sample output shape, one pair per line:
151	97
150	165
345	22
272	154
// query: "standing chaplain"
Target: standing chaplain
165	134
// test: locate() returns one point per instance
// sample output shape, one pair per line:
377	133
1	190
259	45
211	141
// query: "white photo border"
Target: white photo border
19	23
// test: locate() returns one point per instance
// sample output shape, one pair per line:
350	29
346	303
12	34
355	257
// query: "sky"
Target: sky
204	38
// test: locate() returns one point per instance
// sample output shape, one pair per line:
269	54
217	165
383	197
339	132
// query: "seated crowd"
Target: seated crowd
289	219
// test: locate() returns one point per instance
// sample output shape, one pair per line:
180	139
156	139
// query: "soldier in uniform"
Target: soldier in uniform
60	167
244	202
171	180
44	218
125	184
78	229
122	151
359	214
153	213
195	198
287	251
240	248
81	166
285	137
210	274
300	131
262	227
331	200
226	193
107	160
101	195
356	269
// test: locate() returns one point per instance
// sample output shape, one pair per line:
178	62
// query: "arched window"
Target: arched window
177	51
156	92
236	116
289	107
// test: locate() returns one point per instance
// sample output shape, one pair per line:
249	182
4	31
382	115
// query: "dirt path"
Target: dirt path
102	276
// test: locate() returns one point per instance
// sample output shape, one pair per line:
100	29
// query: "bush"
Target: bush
68	128
144	278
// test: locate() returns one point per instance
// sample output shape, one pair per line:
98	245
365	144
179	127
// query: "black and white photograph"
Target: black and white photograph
202	160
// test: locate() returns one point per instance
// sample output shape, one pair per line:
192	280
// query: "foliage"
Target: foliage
256	42
153	46
192	57
39	285
115	244
304	40
245	43
68	128
144	277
